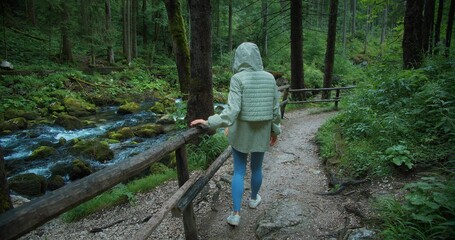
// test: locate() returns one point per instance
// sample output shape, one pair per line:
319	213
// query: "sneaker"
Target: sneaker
254	203
233	219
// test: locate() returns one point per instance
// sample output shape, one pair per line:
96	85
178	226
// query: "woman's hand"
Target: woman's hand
198	122
273	138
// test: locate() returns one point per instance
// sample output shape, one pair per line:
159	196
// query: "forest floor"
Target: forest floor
293	174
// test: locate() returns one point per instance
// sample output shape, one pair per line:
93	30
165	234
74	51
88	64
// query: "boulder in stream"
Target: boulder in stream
68	122
78	107
128	108
29	184
100	151
80	169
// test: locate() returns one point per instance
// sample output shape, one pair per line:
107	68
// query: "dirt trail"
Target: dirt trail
292	173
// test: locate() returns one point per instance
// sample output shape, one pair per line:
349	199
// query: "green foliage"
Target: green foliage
407	117
204	153
426	213
399	155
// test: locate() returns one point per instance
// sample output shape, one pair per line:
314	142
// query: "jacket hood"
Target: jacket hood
247	57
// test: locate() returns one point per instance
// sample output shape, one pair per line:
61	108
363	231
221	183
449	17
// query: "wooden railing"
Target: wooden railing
286	90
21	220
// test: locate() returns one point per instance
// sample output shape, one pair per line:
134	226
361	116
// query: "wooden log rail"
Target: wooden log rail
336	99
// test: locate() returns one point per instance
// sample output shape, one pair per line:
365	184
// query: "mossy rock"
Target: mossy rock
78	107
128	108
14	124
97	150
148	130
166	119
55	182
69	122
158	107
158	168
121	134
79	169
42	152
29	184
61	169
56	107
17	113
165	105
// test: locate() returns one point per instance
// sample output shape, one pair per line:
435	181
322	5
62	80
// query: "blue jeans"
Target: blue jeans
237	185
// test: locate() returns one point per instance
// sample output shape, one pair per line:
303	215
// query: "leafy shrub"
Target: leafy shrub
426	213
210	147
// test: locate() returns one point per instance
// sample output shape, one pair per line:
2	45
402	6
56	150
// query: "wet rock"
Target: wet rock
121	134
359	234
56	107
281	220
42	152
100	151
68	122
79	169
18	200
78	107
148	130
55	182
14	124
16	113
61	169
166	119
29	184
128	108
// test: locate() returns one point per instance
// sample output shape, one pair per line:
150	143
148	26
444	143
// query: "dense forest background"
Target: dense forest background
400	119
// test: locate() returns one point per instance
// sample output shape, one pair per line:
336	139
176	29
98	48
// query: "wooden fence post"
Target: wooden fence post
189	219
337	98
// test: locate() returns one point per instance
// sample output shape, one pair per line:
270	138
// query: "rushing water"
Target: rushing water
19	145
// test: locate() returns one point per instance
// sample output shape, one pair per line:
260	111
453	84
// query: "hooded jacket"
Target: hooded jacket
253	112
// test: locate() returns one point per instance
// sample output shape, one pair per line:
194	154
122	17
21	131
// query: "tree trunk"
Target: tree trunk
345	8
134	11
384	23
367	29
297	81
412	39
127	39
30	10
330	49
180	44
200	102
265	13
66	53
5	200
230	27
428	23
354	16
449	27
110	49
437	29
384	26
144	24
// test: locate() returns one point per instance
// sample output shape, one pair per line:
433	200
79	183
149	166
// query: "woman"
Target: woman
253	118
